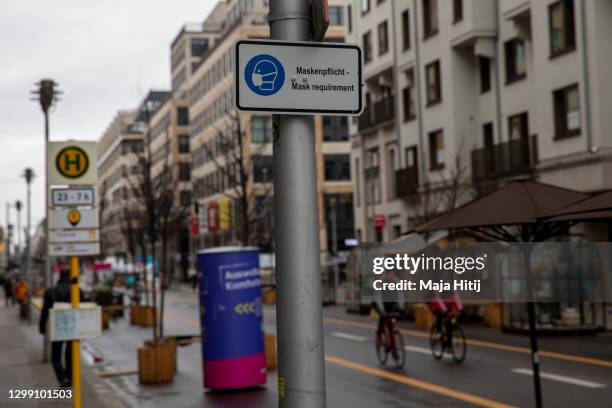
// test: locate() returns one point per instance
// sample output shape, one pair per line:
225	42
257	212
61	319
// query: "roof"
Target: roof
519	202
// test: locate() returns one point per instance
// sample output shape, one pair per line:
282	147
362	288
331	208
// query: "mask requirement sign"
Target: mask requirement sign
298	77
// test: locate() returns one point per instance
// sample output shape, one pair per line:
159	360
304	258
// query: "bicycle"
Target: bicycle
390	341
439	341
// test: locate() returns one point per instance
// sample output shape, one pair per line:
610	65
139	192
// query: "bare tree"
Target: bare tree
235	166
446	192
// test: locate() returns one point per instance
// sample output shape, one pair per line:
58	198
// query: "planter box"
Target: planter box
269	296
270	347
157	361
105	320
141	315
423	318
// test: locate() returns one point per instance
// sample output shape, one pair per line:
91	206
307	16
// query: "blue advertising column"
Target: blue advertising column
231	318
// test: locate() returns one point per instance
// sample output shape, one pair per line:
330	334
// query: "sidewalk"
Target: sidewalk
21	366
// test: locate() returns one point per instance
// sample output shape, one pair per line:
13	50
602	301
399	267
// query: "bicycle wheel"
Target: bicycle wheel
436	342
399	352
459	344
381	350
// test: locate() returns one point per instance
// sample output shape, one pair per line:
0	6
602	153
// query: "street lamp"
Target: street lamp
47	95
18	247
28	174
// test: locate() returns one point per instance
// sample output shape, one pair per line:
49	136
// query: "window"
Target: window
408	96
406	29
261	129
562	31
516	66
349	12
518	128
185	199
183	144
485	74
335	129
457	11
335	15
262	169
372	179
488	143
436	150
182	116
365	6
430	17
391	167
434	89
567	112
367	47
383	38
184	172
337	167
199	46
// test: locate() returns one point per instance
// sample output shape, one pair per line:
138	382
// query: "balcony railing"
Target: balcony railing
509	159
383	111
406	182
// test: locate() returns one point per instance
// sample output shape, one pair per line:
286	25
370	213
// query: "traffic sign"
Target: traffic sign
72	162
74	249
298	77
65	218
64	236
72	197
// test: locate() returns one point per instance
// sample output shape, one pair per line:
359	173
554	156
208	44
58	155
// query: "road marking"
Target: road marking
183	319
403	379
560	378
484	344
416	349
349	336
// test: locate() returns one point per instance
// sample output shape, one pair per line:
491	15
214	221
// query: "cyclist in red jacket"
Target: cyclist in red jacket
444	310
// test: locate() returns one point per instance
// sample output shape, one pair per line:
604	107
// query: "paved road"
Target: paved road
496	372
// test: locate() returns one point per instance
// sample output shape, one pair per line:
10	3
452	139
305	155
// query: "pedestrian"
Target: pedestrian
59	293
21	293
193	276
8	291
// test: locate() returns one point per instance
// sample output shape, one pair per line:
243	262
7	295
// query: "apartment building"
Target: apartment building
462	95
119	149
232	152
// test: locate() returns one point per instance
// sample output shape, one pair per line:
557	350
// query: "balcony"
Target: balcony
509	159
383	112
407	182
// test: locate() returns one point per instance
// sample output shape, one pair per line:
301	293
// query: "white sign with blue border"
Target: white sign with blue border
298	77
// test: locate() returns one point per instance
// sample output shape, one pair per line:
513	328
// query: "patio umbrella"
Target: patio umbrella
514	213
598	207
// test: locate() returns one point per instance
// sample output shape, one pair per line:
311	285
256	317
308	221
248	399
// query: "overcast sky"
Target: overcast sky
105	55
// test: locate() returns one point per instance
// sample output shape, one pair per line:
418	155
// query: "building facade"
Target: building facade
464	94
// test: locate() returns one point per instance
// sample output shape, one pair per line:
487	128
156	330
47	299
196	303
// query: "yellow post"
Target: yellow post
76	344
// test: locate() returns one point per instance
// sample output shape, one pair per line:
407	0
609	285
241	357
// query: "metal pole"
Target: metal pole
75	344
28	260
533	334
301	366
8	237
18	246
48	280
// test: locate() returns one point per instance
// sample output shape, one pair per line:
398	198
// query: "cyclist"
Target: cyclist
386	305
443	310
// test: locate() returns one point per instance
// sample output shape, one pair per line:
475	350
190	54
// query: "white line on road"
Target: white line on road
561	378
349	336
416	349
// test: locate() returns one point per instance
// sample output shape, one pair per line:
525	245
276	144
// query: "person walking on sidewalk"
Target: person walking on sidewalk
9	294
60	293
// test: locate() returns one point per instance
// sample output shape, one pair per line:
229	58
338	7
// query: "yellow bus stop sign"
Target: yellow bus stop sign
72	162
74	217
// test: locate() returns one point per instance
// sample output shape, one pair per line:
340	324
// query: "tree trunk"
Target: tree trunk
153	291
163	276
